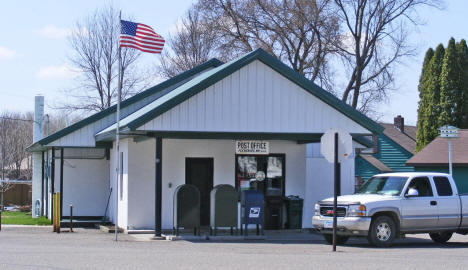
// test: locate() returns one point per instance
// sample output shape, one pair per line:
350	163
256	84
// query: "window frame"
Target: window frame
449	184
420	177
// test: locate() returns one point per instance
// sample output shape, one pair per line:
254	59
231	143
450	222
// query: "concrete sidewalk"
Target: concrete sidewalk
283	235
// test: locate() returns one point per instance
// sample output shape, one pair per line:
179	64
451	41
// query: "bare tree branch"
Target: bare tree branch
94	42
377	41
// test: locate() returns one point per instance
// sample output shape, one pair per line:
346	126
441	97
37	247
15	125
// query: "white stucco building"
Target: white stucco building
185	130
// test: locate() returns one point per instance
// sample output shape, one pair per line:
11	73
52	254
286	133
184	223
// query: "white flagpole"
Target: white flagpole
117	138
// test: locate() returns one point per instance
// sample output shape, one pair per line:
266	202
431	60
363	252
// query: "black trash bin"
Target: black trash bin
294	206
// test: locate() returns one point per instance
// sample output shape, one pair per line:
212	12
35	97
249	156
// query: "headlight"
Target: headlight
356	210
317	209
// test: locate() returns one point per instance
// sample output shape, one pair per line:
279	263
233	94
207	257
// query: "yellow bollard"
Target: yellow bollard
53	212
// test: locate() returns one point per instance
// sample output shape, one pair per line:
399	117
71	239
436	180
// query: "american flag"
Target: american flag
140	36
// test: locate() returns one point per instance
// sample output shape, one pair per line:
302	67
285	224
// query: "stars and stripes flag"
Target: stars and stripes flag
140	36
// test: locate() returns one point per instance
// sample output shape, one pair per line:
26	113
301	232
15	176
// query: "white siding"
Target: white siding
254	99
141	184
85	185
122	201
319	183
141	173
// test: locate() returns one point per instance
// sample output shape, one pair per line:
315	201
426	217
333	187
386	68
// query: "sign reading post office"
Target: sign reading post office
252	147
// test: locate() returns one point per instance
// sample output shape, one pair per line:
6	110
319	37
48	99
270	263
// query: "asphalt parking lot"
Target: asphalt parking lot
38	248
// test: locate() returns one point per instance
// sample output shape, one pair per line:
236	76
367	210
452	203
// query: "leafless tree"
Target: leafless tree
15	136
4	187
374	40
191	45
94	42
300	33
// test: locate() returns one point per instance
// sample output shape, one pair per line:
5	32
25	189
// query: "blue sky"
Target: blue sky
34	47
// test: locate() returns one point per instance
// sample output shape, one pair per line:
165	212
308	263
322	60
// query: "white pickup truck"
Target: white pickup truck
391	205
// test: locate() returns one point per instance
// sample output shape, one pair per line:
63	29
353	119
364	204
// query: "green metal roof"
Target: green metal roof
146	93
203	81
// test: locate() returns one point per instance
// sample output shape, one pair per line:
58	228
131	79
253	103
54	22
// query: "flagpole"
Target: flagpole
117	138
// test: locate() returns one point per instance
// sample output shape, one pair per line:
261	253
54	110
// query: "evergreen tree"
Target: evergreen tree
461	106
424	100
433	92
449	78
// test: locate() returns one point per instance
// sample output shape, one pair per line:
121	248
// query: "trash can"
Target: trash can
294	206
252	209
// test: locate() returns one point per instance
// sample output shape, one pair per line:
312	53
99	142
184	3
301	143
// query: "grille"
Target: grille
328	211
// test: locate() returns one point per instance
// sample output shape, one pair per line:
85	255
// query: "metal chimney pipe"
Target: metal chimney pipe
38	132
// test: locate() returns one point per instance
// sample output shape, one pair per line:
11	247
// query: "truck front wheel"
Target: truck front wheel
382	231
441	237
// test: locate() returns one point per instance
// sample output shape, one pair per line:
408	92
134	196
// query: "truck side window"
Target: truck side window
443	186
423	186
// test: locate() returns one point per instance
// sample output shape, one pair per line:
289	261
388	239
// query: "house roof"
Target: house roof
406	139
436	152
375	162
204	80
162	88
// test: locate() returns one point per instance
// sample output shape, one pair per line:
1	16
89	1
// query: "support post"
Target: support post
42	183
52	178
335	190
61	183
47	193
158	187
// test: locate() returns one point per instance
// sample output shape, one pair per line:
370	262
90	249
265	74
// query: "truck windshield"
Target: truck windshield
388	185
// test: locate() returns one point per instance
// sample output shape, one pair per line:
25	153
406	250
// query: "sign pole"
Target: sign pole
450	155
335	190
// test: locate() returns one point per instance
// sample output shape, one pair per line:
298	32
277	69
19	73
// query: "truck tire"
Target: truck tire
382	231
340	239
441	237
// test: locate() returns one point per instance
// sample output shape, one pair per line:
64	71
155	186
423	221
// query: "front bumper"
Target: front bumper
357	226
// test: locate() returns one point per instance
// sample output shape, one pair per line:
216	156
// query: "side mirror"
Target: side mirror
412	192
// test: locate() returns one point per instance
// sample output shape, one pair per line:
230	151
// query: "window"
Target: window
249	167
443	186
422	185
383	185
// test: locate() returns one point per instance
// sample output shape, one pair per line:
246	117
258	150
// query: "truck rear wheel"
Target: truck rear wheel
382	231
441	237
340	239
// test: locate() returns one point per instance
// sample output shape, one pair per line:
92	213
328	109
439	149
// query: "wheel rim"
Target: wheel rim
383	231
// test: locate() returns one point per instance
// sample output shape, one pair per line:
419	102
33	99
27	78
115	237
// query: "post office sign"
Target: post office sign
252	147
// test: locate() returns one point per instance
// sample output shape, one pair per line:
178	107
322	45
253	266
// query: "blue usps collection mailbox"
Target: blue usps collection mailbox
252	209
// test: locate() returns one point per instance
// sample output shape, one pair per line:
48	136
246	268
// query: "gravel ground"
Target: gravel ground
38	248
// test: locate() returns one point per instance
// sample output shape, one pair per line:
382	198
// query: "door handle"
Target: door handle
433	202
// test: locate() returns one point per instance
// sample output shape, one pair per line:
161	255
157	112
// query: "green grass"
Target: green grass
22	218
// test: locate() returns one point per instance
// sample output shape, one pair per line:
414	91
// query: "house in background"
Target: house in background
391	150
434	158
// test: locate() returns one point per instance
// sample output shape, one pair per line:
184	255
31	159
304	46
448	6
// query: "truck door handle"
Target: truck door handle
433	202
